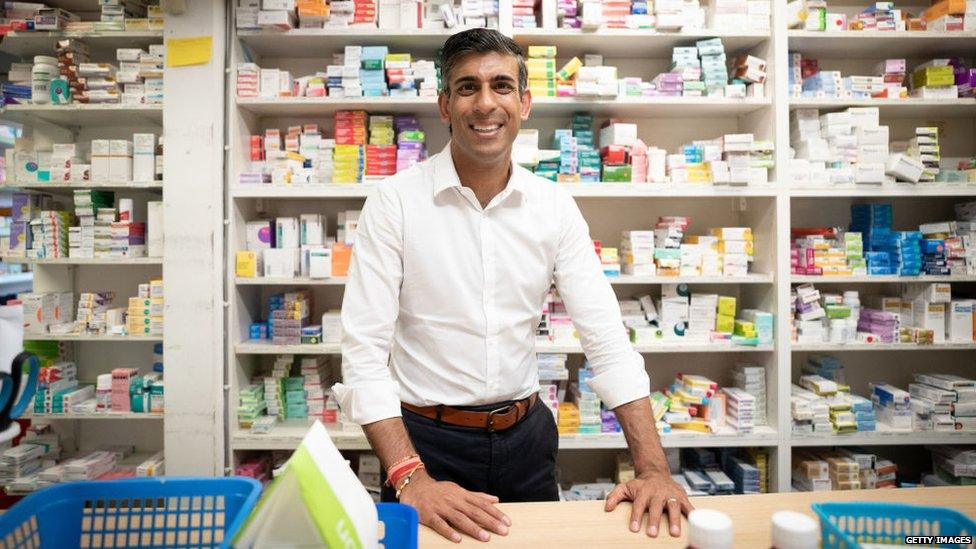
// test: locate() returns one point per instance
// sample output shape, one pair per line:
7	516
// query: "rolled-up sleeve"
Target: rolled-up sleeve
619	373
368	392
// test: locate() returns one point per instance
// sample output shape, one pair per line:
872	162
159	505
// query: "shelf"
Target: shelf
664	107
896	108
320	106
616	280
288	434
87	261
105	415
834	347
664	347
348	190
761	436
78	114
848	44
655	190
95	338
24	44
631	42
319	42
578	190
661	107
884	436
923	190
255	347
74	185
296	281
800	279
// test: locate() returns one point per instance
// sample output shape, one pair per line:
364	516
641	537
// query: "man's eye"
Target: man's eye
504	87
466	89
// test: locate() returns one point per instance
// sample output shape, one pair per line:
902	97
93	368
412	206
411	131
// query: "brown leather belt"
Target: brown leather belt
499	419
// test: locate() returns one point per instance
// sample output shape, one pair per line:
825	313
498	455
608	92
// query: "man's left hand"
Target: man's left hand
652	493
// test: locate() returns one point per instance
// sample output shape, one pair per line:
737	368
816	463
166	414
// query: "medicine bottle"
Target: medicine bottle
792	530
709	529
103	393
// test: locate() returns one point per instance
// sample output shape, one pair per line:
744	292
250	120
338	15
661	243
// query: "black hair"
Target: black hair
480	41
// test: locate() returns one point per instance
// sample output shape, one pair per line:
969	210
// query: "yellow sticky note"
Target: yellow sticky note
188	51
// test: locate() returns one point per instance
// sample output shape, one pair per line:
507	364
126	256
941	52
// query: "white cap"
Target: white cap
709	529
103	381
792	530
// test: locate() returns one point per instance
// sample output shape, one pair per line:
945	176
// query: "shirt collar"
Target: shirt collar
445	175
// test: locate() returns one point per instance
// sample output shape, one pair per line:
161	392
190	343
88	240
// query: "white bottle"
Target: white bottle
709	529
792	530
44	70
103	393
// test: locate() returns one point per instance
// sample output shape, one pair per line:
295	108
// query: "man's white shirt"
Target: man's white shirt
444	297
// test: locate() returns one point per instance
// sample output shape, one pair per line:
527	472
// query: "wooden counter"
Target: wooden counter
585	524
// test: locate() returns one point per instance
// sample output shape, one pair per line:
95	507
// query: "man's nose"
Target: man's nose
485	100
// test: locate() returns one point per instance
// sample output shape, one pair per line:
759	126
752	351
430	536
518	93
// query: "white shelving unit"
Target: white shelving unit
609	208
193	218
80	123
853	53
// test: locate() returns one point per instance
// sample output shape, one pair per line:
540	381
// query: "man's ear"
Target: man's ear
526	104
442	106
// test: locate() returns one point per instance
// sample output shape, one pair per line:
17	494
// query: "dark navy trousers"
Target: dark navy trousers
518	464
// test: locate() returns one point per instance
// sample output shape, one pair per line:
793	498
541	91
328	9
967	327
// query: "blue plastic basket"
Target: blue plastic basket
138	512
846	525
399	530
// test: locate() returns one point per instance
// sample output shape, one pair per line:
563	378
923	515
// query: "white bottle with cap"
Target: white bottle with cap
709	529
792	530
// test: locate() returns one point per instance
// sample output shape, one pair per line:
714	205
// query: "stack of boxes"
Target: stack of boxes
736	245
740	409
350	136
568	419
692	399
637	251
251	406
714	72
934	79
144	316
92	312
587	404
49	235
274	395
752	379
950	399
893	73
893	406
289	314
81	239
668	234
541	65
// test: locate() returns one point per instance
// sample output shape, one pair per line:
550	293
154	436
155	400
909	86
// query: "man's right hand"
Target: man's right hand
447	508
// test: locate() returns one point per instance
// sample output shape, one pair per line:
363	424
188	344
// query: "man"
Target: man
452	261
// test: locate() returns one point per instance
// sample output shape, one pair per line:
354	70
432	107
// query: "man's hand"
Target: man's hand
652	493
446	508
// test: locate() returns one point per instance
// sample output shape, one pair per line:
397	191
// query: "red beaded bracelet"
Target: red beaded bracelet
398	471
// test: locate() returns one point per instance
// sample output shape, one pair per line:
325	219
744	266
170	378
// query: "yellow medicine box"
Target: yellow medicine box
726	305
246	265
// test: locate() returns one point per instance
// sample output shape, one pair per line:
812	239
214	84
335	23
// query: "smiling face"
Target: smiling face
484	107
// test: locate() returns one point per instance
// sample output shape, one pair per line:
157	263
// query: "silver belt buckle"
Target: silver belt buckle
491	416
